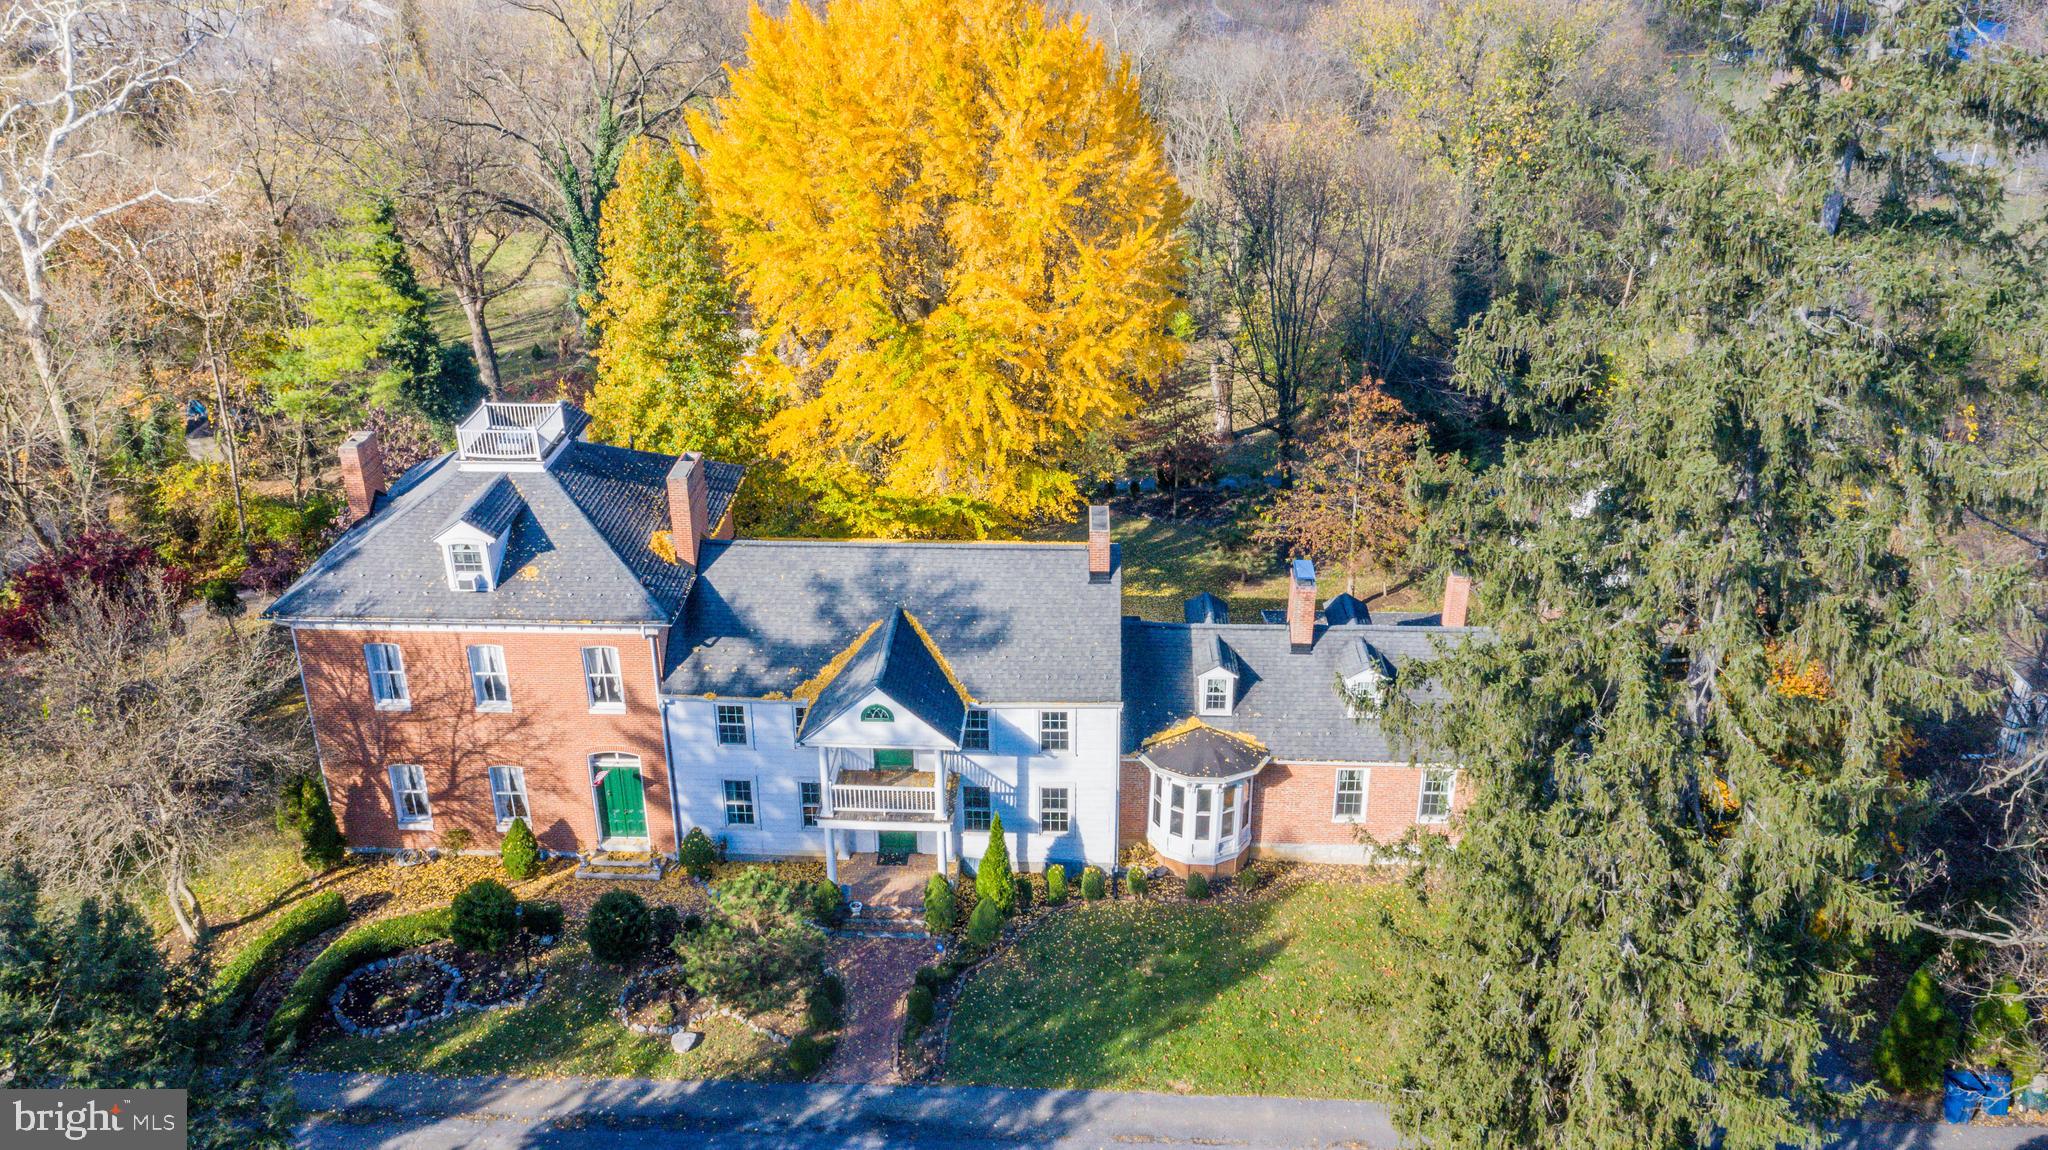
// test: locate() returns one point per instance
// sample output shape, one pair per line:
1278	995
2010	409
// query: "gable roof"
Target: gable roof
493	509
577	550
1017	622
896	660
1286	700
1205	608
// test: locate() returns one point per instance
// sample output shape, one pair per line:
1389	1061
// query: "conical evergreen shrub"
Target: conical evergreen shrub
519	853
1919	1041
993	881
305	812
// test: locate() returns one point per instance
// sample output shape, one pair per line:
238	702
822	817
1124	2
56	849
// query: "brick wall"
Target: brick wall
549	731
1132	795
1292	804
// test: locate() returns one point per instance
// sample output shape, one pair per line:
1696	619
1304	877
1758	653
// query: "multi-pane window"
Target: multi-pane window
1158	790
488	679
466	563
508	795
1350	793
1435	806
1216	696
409	796
1176	809
811	796
1053	810
1229	826
1053	732
387	676
732	724
1205	797
976	811
601	677
739	802
974	735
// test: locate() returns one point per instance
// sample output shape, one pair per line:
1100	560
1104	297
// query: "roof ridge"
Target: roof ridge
590	524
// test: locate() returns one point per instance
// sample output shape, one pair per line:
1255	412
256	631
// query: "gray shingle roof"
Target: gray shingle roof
1287	701
896	661
493	509
1205	753
1205	608
578	550
1017	622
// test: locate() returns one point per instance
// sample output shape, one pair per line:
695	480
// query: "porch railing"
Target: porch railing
884	800
511	432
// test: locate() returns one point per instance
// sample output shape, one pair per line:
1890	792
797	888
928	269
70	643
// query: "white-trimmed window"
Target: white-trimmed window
466	567
488	679
1054	811
974	733
387	676
1435	803
1229	824
977	811
1216	695
732	724
1205	799
1158	794
811	797
739	802
1350	804
602	680
409	796
1055	731
796	720
1176	809
508	796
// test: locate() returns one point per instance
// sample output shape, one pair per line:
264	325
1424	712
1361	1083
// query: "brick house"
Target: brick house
535	626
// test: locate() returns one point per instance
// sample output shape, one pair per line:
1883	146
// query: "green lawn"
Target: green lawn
522	320
568	1031
1290	993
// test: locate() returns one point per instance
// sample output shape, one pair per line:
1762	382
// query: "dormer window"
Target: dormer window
466	567
473	543
1365	675
1216	695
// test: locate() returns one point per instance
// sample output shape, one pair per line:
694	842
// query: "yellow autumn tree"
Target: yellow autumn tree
956	229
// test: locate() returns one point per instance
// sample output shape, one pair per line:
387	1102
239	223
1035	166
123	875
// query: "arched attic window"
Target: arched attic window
877	713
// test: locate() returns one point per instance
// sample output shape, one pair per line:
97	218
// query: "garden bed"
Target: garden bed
394	994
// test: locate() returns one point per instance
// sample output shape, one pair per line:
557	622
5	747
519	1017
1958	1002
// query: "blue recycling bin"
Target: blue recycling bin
1997	1092
1962	1091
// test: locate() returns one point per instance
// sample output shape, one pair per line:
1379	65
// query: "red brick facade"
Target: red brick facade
1294	804
549	731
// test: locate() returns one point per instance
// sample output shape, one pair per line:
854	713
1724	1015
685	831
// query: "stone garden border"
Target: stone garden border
451	1001
712	1008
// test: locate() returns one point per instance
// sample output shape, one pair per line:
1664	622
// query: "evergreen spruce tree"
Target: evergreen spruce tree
520	852
993	882
306	813
1758	394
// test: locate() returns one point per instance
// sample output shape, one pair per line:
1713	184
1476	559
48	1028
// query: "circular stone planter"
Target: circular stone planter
625	1016
451	1003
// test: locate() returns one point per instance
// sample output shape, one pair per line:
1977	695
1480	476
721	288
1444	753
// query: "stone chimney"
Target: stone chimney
1301	605
362	473
689	506
1457	599
1098	543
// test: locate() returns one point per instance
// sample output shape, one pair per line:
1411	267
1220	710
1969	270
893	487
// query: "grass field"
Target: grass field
1290	993
568	1031
524	322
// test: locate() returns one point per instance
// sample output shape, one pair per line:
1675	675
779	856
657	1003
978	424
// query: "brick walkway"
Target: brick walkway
877	972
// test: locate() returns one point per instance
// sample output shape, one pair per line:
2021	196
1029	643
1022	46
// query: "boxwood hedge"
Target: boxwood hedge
302	921
364	944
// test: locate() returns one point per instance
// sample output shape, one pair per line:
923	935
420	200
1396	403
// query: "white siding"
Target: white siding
772	761
1014	770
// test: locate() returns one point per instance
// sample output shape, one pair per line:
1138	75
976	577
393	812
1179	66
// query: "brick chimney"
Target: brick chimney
1457	599
1098	543
1301	605
689	506
362	473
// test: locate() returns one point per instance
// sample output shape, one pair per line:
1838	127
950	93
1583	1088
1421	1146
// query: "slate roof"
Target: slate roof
1287	701
493	509
577	553
1017	622
1205	608
895	660
1201	751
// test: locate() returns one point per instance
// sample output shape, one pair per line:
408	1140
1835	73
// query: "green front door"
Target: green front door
895	760
894	848
621	808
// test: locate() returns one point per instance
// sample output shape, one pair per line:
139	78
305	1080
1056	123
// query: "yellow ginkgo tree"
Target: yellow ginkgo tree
955	228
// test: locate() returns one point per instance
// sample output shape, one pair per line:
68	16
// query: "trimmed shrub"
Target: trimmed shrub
992	879
305	812
820	1013
1137	880
1055	885
483	916
303	920
1092	886
984	924
1023	899
520	852
919	1006
664	923
362	945
617	927
542	919
1998	1033
455	840
932	978
938	904
1919	1041
697	855
692	922
1197	885
833	988
806	1054
1250	879
825	902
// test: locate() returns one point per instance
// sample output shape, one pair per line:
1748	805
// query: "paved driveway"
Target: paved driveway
417	1112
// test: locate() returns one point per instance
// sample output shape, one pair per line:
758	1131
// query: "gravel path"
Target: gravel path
877	971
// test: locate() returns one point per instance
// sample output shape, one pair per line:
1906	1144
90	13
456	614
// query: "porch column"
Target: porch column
831	855
944	836
825	785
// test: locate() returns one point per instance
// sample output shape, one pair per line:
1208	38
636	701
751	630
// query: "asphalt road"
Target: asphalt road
418	1112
